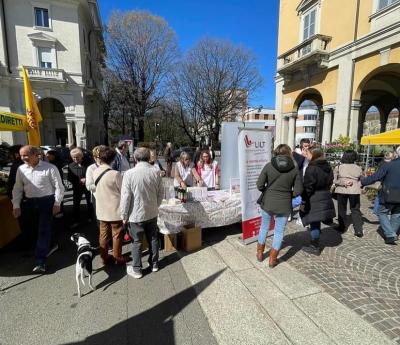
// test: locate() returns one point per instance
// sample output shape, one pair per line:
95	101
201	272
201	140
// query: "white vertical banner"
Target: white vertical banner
254	148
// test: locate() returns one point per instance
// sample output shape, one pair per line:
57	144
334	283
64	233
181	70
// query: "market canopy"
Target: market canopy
12	122
386	138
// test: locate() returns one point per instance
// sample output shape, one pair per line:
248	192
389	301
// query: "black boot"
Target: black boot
313	248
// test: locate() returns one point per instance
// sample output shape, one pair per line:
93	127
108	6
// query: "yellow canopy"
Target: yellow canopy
12	122
386	138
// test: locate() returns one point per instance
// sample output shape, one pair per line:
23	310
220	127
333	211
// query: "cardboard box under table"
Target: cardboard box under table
189	239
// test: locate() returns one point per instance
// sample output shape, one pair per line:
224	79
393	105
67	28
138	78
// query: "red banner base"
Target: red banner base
251	227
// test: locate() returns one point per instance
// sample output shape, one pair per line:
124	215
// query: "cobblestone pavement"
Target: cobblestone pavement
362	273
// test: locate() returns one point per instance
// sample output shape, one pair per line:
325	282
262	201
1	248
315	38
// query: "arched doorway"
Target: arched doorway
380	100
393	120
53	127
309	123
372	121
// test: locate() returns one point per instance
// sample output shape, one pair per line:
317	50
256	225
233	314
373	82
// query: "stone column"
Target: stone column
292	131
70	133
80	133
354	120
327	126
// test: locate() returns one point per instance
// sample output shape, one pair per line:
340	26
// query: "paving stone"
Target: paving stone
363	274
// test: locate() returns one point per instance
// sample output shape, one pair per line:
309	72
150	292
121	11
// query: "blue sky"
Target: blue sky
252	23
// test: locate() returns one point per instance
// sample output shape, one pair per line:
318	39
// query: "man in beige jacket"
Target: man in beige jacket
108	195
141	196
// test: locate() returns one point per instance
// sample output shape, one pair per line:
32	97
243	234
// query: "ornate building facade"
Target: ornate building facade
60	44
343	56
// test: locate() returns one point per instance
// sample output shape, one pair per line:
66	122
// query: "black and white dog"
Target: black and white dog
84	260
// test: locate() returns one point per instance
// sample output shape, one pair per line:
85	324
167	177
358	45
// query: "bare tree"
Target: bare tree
141	50
216	79
184	101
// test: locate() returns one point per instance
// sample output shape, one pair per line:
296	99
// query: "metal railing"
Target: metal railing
315	44
45	73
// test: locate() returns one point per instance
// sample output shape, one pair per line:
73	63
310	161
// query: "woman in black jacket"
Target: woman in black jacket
317	199
279	180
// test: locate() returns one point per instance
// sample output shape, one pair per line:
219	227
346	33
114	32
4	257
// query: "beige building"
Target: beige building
344	56
60	44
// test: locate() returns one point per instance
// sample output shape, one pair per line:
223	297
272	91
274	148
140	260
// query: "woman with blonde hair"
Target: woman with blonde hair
184	171
90	186
207	171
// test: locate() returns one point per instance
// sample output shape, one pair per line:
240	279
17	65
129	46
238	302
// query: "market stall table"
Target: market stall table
218	210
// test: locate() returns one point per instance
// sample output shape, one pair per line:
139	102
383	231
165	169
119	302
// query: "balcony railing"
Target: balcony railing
45	73
314	49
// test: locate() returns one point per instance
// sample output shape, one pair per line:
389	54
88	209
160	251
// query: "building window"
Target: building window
42	17
309	129
257	116
309	24
310	117
384	3
45	57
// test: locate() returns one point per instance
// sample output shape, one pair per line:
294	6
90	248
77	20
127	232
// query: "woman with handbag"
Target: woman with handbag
279	182
108	183
347	177
317	198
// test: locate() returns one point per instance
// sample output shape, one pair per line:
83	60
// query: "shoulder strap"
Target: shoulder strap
101	175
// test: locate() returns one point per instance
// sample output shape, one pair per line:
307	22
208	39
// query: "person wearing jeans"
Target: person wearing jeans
279	181
389	197
40	183
137	231
141	195
279	230
390	225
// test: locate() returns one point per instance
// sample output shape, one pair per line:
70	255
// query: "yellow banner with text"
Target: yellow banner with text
12	122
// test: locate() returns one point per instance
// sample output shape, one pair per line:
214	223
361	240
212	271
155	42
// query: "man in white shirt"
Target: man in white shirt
141	195
41	183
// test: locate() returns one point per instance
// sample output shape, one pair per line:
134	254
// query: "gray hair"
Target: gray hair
142	154
398	151
76	151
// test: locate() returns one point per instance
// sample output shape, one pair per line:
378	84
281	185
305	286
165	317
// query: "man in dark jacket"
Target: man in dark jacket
77	177
389	198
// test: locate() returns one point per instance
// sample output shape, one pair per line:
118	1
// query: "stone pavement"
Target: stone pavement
217	295
362	273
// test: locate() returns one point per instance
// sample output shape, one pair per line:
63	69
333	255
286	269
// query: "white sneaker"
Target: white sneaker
130	271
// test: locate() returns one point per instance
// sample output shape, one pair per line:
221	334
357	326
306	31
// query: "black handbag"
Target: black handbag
261	197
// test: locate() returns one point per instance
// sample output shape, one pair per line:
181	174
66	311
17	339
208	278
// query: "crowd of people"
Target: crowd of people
123	200
305	178
124	197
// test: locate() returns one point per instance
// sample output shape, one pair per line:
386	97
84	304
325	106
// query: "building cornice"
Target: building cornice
367	40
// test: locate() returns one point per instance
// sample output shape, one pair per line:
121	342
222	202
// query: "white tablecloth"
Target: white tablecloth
206	214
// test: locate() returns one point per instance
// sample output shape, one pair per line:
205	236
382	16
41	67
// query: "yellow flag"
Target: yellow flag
33	116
